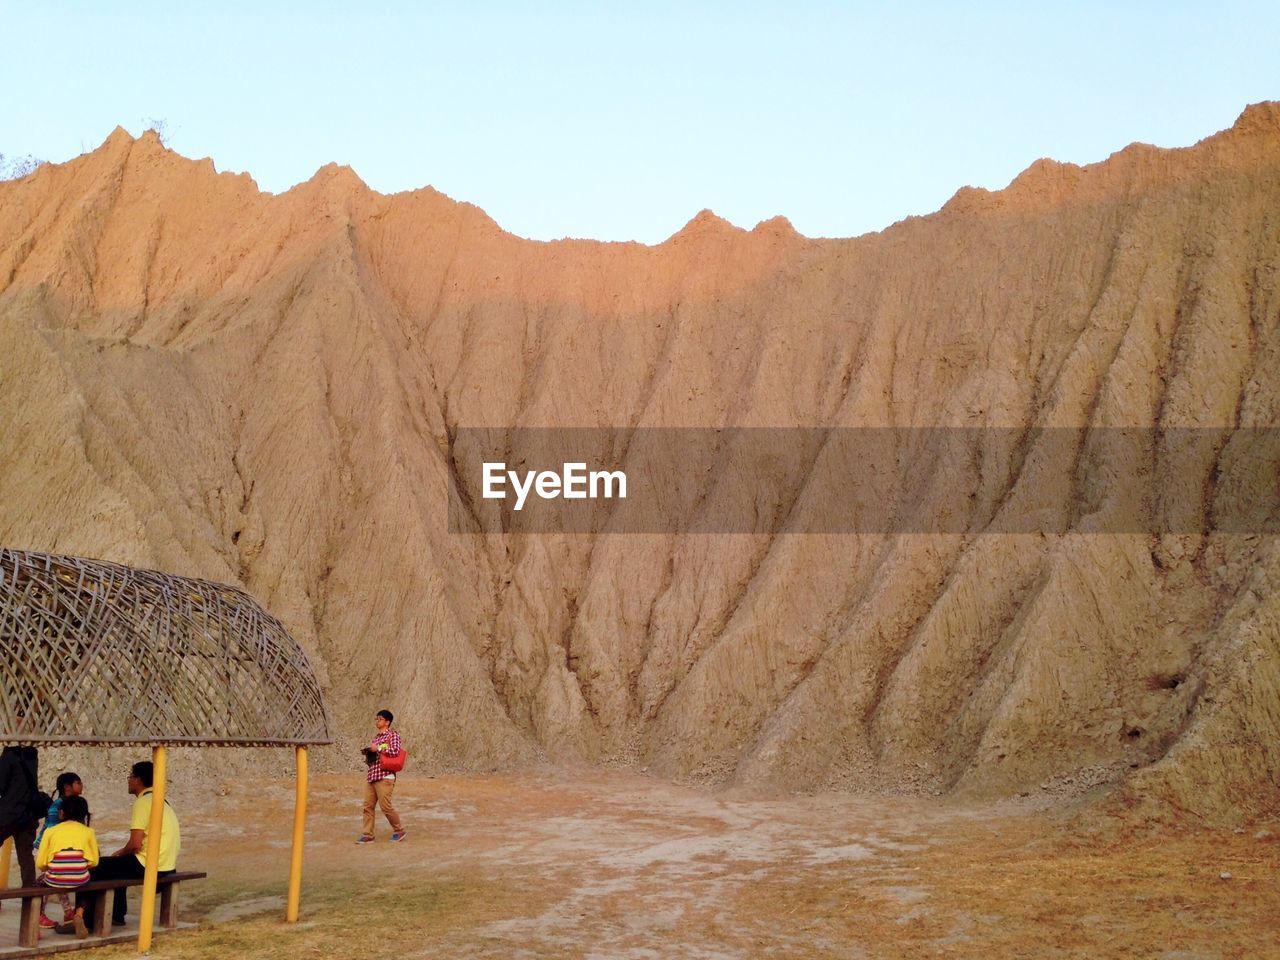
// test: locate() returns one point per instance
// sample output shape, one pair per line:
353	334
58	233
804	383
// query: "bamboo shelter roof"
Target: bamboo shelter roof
98	653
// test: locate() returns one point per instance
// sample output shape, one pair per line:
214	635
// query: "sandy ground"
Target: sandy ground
615	865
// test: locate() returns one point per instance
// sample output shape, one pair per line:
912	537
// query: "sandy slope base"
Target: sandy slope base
615	865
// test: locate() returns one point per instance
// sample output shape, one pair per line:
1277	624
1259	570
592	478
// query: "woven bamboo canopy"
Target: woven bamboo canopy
99	653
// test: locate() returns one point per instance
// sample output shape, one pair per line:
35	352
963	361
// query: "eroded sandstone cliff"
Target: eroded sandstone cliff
204	378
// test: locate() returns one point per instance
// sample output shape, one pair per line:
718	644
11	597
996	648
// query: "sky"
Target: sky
620	121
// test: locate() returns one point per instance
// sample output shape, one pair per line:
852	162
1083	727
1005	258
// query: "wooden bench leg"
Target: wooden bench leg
29	922
98	922
169	905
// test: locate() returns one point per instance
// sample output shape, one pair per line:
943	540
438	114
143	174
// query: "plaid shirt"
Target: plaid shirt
392	740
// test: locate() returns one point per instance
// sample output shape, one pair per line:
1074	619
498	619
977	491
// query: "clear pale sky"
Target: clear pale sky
621	121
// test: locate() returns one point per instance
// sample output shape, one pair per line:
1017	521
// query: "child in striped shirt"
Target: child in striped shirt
67	851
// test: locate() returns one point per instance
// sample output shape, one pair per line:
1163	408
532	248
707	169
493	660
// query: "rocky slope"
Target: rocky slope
266	390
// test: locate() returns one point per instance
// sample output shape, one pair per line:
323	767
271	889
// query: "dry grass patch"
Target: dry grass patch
1006	889
385	920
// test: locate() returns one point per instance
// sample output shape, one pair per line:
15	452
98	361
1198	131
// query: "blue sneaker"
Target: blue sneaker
364	838
397	837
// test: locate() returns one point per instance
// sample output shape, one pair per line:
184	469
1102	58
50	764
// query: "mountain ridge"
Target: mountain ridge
1256	120
267	389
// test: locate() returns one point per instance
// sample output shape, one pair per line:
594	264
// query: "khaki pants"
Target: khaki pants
379	795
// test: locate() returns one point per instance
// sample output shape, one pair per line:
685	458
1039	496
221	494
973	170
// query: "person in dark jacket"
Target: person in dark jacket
19	774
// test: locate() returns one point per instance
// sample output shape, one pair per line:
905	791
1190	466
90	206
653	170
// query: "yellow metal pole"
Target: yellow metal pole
299	826
147	915
6	854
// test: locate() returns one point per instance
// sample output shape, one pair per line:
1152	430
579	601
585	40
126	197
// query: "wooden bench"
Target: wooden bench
98	923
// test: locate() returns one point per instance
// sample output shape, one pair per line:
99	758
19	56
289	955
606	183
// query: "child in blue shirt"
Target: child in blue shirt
68	785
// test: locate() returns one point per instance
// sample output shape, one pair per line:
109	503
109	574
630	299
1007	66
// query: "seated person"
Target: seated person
67	853
68	785
130	861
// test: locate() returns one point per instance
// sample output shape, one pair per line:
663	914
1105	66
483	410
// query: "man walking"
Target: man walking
130	861
380	782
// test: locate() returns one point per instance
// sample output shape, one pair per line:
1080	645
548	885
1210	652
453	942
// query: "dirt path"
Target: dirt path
614	865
